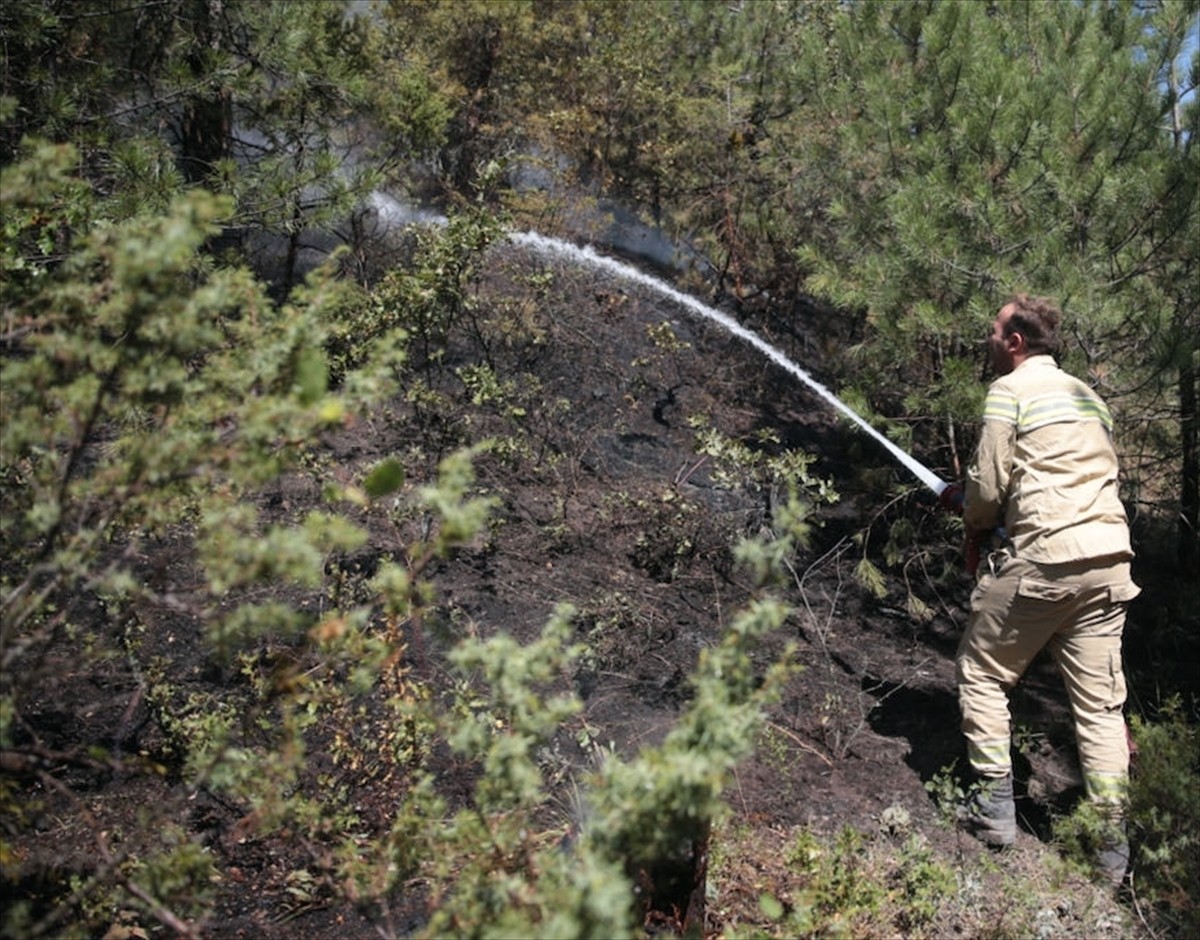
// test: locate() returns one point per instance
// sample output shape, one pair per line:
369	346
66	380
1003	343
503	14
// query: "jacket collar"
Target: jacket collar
1040	360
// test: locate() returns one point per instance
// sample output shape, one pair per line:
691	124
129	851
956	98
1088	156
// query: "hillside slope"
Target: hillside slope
604	500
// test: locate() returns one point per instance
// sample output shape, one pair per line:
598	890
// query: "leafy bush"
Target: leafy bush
1164	817
148	394
151	398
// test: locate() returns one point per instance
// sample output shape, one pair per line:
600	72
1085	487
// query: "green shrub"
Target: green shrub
1164	816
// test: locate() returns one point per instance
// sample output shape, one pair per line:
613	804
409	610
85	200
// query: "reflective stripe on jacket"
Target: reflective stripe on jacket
1046	468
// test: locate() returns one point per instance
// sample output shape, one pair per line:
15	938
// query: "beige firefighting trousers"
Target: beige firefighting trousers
1077	609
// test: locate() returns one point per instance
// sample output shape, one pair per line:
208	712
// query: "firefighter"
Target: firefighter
1045	471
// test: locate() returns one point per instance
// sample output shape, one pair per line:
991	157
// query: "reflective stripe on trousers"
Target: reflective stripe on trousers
1078	611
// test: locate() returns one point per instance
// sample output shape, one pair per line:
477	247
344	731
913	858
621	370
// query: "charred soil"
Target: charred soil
603	500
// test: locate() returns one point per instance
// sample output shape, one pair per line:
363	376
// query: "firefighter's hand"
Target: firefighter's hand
951	498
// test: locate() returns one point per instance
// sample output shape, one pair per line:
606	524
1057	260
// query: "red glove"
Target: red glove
952	497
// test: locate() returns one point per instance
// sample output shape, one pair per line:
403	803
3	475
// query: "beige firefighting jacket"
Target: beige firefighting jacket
1046	468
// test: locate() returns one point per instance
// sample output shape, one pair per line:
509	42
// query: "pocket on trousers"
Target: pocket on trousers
1044	590
980	591
1116	677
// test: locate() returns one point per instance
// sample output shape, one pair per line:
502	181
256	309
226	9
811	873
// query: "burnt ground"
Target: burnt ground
603	501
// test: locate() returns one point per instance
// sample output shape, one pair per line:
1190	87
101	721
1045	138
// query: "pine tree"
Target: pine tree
975	150
275	104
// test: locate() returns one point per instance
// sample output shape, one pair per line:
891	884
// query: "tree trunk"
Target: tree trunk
1189	433
206	125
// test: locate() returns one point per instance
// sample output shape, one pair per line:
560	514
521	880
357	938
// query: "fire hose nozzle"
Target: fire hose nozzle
952	498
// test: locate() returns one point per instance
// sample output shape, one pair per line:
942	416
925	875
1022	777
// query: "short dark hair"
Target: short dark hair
1037	319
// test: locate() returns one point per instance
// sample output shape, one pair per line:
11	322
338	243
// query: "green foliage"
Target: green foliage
503	730
870	577
1160	818
277	105
886	156
495	872
954	178
1163	816
835	889
180	875
44	205
386	477
761	465
143	389
855	885
925	884
420	304
641	811
670	536
947	793
499	878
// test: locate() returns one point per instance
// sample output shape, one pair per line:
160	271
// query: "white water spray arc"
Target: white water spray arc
586	256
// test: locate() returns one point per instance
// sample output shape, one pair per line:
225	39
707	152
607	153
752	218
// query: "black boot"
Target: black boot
1111	854
989	813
